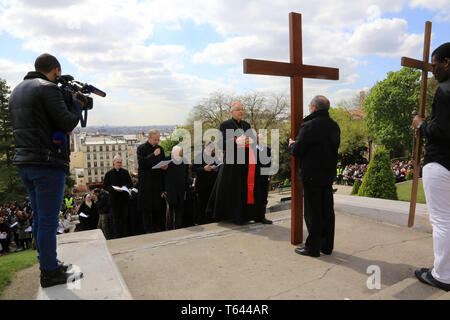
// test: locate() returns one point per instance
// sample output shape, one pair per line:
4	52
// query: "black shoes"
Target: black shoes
65	267
424	275
51	278
306	252
265	221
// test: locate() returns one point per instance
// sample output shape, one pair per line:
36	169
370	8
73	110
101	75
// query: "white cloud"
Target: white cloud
110	41
384	37
441	6
12	72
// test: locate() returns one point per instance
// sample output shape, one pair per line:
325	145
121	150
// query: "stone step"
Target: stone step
382	210
87	252
409	289
387	211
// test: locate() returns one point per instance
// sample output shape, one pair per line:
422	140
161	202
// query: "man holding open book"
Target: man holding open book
117	182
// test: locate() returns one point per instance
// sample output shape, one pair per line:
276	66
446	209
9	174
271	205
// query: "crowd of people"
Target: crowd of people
15	226
349	174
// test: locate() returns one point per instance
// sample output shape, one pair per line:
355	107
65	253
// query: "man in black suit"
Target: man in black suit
317	146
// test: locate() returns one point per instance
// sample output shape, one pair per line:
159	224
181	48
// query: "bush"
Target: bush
356	186
379	180
409	175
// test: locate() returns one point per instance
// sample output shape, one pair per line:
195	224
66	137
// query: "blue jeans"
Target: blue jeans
45	186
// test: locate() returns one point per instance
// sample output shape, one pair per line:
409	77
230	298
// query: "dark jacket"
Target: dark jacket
89	223
37	111
437	129
176	182
317	146
151	181
103	205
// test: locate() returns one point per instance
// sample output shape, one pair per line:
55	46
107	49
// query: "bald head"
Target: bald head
319	103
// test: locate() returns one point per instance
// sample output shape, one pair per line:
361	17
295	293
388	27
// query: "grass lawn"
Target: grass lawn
404	192
13	262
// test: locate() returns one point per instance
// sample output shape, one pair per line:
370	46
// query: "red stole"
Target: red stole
251	173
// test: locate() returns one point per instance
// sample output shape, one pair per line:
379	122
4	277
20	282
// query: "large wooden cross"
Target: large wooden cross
426	67
297	71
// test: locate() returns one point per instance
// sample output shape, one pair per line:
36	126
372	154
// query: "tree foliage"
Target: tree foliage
388	109
379	180
11	187
262	111
354	137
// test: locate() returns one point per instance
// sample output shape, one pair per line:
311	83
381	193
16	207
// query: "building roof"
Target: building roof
357	114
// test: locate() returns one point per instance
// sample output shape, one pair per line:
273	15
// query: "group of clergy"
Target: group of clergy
176	195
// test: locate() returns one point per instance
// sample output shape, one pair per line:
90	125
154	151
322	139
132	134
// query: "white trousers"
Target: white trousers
436	184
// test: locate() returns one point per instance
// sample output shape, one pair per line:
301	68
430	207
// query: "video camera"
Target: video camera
77	93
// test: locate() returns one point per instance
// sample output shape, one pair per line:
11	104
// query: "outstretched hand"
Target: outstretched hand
291	141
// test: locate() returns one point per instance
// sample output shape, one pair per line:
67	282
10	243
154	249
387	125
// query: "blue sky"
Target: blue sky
157	59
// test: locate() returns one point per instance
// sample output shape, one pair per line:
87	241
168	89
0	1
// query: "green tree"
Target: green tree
11	187
388	109
356	187
379	180
353	137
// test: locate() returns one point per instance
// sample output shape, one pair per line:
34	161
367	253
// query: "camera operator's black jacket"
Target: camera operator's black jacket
38	110
317	146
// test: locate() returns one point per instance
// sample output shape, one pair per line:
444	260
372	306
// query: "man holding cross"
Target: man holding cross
317	146
436	172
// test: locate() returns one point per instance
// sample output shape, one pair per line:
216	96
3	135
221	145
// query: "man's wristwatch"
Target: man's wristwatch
420	124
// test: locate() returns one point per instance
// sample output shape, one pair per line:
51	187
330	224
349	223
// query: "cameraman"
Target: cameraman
42	121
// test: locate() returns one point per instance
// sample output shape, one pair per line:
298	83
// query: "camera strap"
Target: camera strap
83	120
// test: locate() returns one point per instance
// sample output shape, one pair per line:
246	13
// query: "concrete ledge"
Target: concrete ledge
386	211
87	252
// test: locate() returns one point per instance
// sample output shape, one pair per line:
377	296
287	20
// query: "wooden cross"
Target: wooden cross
297	71
426	67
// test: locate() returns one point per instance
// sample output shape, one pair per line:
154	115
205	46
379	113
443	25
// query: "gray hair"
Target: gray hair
321	102
153	132
116	157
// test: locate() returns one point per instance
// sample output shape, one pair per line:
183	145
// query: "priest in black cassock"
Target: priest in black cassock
151	183
233	196
119	199
205	177
176	185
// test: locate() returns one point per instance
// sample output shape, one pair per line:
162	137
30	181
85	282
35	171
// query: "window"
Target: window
103	172
95	164
107	148
89	157
101	148
90	180
95	172
101	164
101	156
95	156
113	148
107	156
89	171
95	148
89	164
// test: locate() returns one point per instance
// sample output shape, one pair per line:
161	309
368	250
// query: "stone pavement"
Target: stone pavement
255	261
